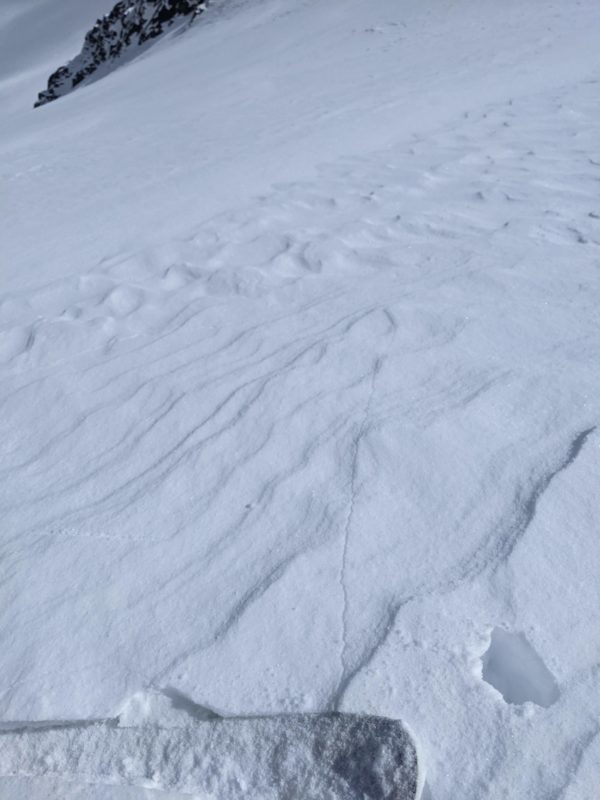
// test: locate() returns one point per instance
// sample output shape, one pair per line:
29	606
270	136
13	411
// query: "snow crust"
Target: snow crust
300	377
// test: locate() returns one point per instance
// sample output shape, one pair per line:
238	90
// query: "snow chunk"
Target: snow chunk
329	756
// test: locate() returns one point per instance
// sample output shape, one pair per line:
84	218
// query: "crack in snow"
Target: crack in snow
369	652
355	448
347	674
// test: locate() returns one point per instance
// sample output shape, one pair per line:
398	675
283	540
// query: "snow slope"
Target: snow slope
299	339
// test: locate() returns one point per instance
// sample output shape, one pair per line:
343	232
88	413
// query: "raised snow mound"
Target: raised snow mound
129	25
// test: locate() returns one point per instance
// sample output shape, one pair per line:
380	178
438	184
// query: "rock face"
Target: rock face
130	24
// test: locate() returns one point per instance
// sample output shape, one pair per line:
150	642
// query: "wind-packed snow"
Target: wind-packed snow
300	383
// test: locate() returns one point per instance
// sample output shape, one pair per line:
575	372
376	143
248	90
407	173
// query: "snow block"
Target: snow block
296	757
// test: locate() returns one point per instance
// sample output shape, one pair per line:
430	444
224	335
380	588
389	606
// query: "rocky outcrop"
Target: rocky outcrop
130	24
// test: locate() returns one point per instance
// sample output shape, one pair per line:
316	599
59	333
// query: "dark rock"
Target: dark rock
130	24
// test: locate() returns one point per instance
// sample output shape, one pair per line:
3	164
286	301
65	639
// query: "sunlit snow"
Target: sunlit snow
300	379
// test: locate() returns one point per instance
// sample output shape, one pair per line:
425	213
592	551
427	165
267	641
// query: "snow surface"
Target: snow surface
299	346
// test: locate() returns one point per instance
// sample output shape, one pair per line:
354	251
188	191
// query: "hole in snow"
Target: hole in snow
513	667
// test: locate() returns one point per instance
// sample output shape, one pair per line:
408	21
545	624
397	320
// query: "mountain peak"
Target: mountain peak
129	25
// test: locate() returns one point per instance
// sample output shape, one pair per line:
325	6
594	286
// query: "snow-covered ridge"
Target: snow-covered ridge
129	25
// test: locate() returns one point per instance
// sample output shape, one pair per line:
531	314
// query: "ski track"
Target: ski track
239	378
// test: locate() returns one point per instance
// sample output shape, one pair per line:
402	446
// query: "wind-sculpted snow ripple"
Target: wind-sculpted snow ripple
294	460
